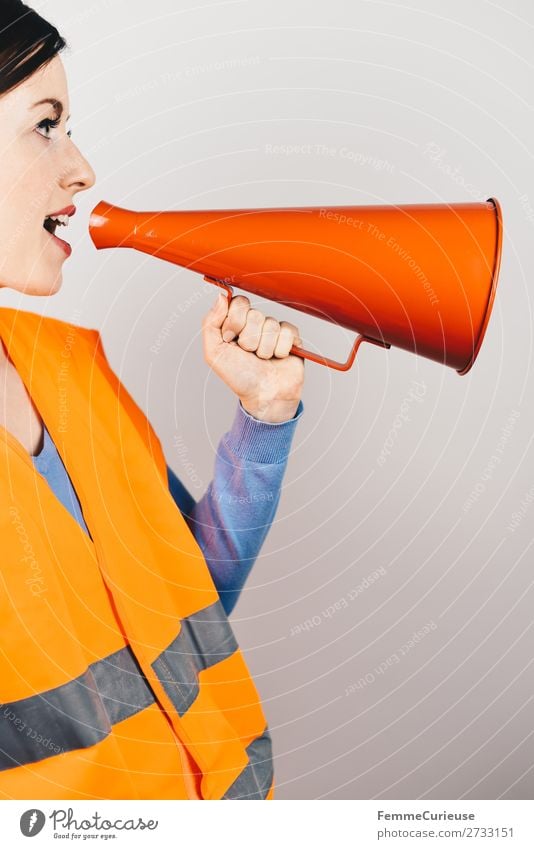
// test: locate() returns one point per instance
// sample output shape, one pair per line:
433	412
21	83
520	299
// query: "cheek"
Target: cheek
24	193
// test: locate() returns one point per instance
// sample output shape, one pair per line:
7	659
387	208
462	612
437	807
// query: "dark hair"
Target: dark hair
27	41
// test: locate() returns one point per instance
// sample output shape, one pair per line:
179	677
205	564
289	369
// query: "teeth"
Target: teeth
61	219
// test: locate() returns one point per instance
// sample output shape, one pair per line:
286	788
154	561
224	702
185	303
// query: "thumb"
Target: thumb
218	312
213	321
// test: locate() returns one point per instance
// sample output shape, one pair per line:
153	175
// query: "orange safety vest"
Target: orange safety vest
120	675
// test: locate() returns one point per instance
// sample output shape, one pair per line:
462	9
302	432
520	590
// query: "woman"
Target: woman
120	676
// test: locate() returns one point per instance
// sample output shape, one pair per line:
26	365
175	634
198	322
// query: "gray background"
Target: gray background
176	105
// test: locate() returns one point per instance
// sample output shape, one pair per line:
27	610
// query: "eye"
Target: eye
47	124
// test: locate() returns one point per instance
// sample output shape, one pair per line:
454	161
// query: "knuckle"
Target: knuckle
246	345
237	316
240	301
288	326
247	341
282	349
263	354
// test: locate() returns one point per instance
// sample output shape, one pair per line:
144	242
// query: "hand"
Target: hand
256	365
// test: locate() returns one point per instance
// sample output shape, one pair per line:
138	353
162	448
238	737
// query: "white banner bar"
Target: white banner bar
273	825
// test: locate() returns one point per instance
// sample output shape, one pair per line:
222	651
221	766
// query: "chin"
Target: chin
45	286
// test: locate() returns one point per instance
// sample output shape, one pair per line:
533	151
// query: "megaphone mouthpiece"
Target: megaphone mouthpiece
111	226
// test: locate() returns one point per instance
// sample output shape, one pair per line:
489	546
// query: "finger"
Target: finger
250	336
289	336
236	318
268	338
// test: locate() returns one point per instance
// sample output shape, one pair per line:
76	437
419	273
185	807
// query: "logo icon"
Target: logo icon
32	822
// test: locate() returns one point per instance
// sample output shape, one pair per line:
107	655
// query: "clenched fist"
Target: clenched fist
250	353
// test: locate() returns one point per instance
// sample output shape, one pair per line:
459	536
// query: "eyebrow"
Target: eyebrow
57	104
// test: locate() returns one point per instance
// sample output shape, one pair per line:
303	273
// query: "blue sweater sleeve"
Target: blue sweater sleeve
232	519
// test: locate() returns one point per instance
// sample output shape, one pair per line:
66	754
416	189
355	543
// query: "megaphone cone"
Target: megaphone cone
421	277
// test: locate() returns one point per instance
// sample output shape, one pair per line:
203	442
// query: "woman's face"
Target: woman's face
41	170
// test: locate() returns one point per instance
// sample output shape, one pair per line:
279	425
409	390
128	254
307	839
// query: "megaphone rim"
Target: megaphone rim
493	288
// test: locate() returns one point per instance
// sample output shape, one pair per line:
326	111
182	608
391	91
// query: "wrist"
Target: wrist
272	411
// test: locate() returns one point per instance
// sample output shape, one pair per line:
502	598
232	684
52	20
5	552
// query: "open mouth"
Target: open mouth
51	222
59	219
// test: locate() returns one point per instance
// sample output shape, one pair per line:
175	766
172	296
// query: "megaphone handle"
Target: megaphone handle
335	364
303	352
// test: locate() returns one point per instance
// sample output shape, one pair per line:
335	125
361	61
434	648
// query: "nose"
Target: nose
78	175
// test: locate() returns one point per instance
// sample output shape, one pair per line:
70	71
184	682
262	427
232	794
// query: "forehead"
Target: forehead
49	81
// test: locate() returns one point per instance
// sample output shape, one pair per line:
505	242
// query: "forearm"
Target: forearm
232	519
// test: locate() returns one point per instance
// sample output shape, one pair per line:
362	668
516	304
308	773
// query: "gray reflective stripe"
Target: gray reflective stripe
75	715
82	712
256	779
205	639
122	686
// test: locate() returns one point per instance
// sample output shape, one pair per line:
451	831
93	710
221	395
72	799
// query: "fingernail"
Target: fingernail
228	335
